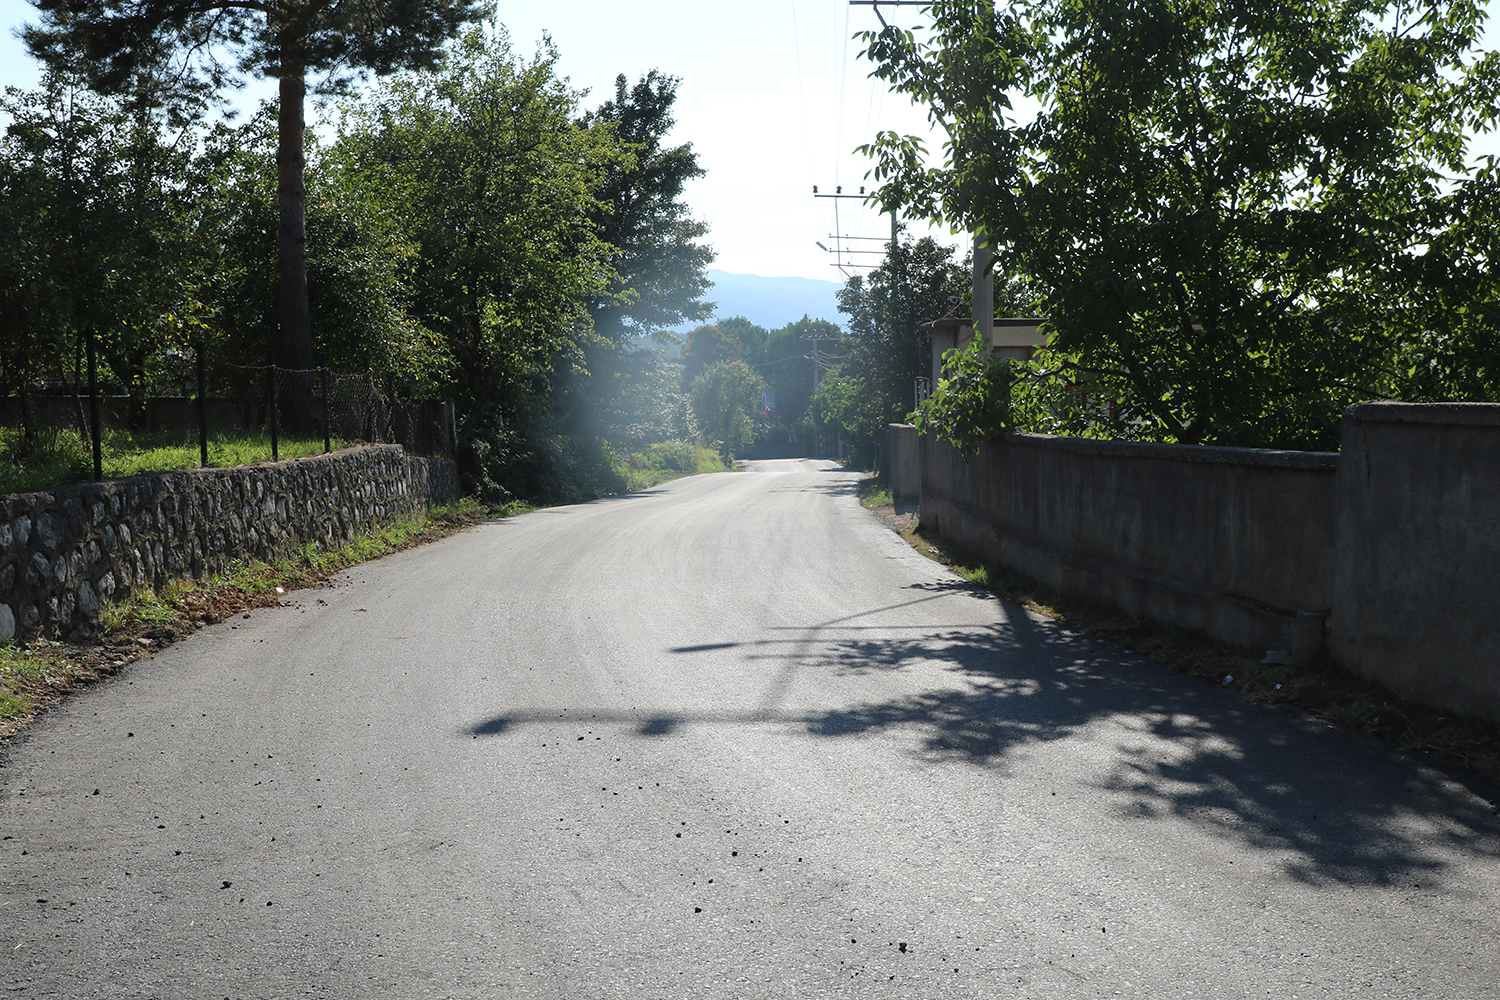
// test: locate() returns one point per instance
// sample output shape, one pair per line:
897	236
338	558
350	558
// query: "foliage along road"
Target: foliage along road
732	738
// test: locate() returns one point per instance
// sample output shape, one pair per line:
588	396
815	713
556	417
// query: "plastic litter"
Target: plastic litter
1227	679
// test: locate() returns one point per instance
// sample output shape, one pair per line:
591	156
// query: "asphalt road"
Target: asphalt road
726	738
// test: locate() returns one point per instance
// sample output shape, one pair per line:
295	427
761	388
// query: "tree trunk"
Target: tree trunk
295	349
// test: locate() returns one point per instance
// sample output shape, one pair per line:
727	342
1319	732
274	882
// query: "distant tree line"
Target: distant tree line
752	385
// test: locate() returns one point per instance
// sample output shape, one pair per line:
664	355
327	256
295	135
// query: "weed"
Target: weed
145	608
664	461
25	671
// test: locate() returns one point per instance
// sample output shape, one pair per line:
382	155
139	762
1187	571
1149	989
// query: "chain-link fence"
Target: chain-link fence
196	410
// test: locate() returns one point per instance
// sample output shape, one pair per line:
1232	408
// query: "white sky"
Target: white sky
773	98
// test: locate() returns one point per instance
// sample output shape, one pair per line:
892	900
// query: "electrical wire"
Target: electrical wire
807	153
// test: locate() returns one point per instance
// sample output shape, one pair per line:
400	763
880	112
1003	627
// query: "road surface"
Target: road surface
727	738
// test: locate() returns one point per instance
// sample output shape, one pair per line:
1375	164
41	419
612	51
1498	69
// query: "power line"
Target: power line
801	91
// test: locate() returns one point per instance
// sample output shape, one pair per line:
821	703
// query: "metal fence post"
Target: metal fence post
327	414
275	406
94	408
202	406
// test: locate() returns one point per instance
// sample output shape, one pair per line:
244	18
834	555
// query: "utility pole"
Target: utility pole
983	293
984	288
812	401
838	251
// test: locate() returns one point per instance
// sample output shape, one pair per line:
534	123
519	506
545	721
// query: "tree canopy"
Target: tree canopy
1239	217
886	350
180	54
659	261
457	248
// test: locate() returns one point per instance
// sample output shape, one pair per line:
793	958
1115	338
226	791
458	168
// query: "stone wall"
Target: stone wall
66	553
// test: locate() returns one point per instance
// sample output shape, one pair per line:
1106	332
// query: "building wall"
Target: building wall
66	553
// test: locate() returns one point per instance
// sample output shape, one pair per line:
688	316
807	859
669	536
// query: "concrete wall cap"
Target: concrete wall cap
1314	460
1448	414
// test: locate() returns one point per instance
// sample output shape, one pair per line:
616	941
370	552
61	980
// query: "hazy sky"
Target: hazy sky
774	98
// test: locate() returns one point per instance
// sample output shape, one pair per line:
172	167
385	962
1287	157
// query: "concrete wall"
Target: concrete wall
65	553
1394	540
1237	542
1416	585
904	461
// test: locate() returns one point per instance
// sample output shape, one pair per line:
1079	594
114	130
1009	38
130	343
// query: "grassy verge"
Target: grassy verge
34	675
665	461
1323	689
63	456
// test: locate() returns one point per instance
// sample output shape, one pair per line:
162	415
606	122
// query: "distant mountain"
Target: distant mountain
771	302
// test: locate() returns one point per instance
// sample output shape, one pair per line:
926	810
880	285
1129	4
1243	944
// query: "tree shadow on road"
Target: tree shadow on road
1342	809
1025	693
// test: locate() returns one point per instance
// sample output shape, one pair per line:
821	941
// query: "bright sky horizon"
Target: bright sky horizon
774	100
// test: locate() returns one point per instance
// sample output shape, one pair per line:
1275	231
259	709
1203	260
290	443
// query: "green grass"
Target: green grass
63	456
25	671
665	461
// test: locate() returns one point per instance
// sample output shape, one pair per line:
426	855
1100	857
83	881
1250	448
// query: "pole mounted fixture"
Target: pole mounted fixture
889	3
838	250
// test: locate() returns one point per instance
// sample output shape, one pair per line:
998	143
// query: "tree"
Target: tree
732	339
787	364
175	52
658	261
98	247
1240	217
486	166
724	397
360	263
887	351
646	403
